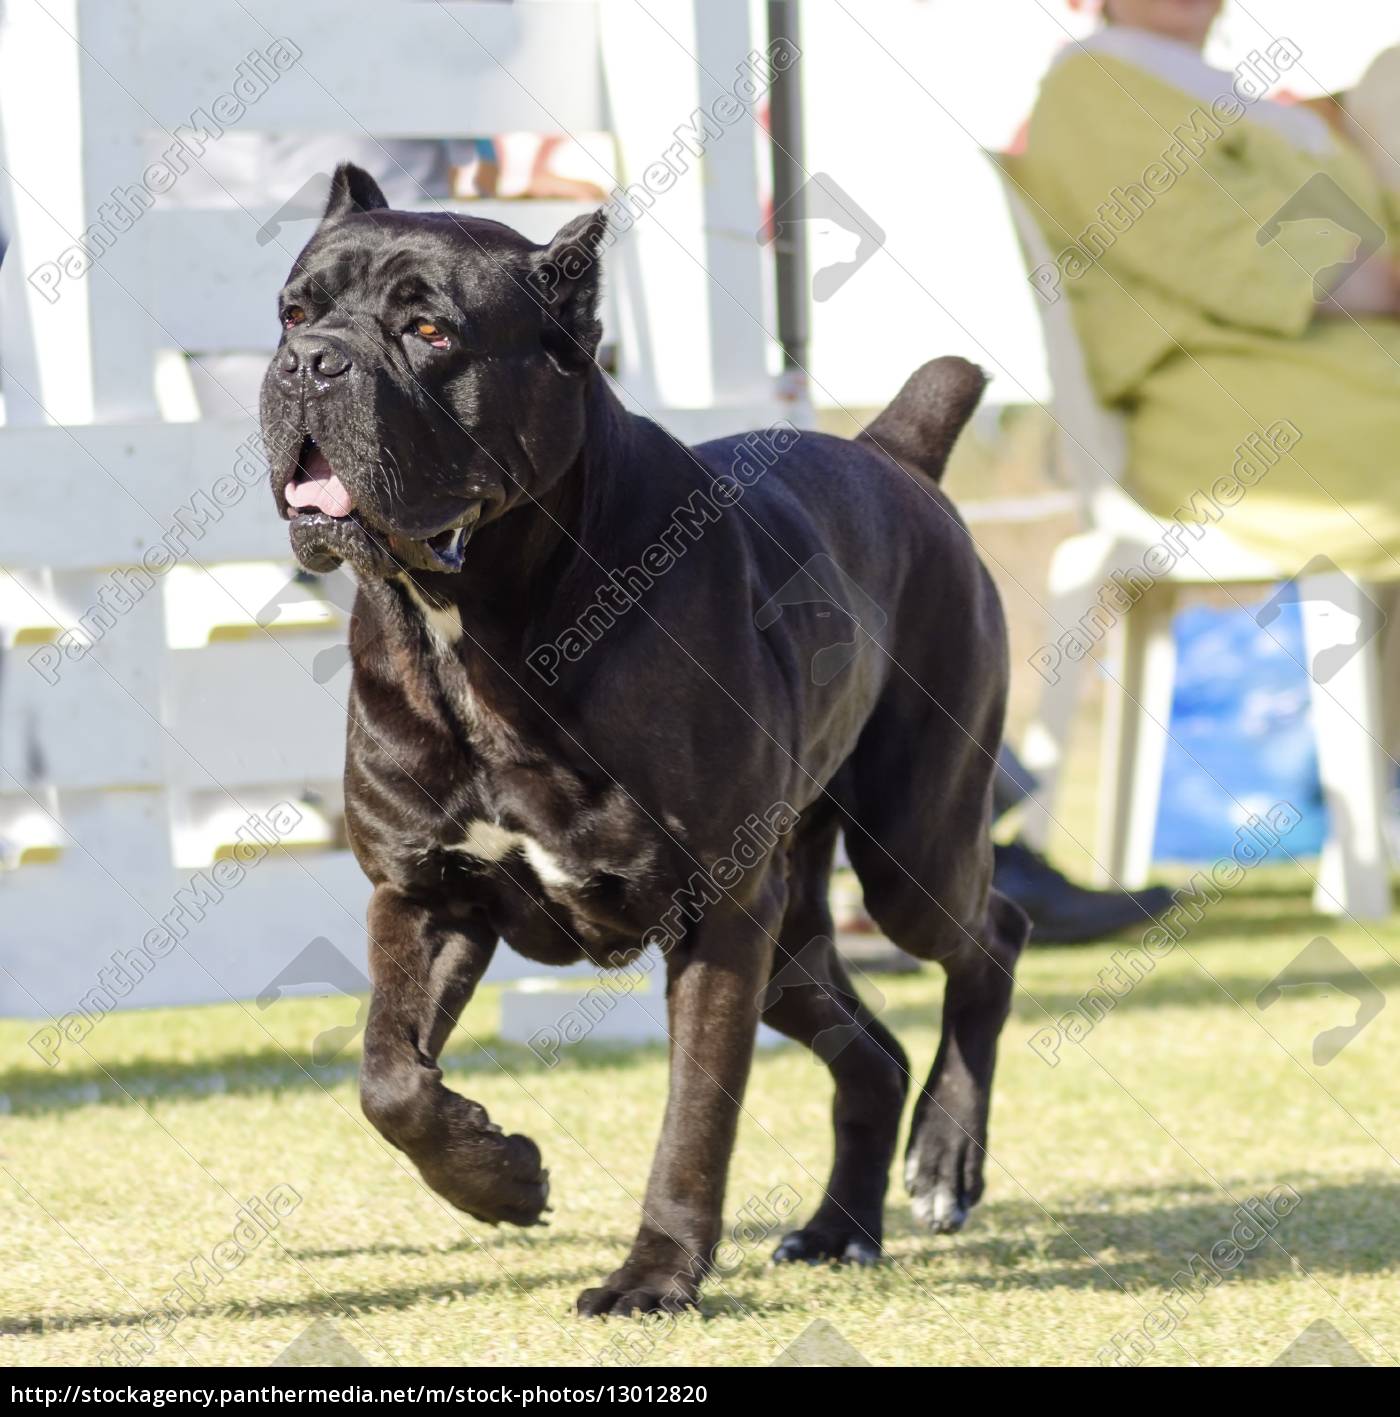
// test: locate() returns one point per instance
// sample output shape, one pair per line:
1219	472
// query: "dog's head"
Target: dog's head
431	375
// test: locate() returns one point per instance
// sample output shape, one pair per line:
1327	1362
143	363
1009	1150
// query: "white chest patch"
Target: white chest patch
444	623
489	842
444	627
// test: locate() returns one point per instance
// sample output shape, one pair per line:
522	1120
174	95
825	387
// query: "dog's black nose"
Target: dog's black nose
316	357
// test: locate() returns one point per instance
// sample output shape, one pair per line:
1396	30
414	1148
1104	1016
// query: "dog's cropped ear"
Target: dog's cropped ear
567	279
353	190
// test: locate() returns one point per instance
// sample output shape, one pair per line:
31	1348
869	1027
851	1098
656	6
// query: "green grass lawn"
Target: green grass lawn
1108	1172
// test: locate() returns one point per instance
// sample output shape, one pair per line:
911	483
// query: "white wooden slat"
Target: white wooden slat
209	826
76	918
238	599
112	491
90	722
413	69
697	249
112	160
251	711
117	835
131	714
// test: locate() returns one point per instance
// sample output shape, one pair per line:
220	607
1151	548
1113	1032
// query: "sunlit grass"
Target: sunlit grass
1107	1173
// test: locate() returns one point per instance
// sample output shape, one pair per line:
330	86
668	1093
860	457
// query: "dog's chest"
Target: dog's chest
558	883
521	822
489	842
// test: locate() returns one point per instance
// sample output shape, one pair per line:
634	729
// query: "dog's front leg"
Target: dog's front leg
714	980
425	964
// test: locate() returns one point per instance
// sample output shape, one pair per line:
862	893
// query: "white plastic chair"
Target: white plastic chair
1353	876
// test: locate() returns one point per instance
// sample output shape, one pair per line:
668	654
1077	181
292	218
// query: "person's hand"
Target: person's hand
1372	289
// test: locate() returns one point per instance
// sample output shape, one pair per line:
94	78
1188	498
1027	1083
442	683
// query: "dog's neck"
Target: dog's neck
515	566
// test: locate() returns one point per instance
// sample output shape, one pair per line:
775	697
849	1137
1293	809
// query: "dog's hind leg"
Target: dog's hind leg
944	1160
810	998
424	965
919	839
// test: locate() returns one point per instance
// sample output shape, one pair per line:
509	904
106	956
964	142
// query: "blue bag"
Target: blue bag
1241	736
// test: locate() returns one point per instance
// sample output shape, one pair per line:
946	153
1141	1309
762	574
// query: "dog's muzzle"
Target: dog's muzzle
327	527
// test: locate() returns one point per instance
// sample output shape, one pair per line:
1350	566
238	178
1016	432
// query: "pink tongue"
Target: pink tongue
317	486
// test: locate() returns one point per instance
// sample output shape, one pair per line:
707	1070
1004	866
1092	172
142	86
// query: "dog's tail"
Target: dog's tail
922	424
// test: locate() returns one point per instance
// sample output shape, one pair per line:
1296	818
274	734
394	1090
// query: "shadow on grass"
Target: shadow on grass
325	1302
1162	991
1211	967
1334	1229
539	1236
268	1070
1036	1005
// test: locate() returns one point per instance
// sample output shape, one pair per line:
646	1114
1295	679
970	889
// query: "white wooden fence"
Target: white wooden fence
144	710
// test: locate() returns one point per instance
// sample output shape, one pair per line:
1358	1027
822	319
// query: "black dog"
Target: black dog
821	651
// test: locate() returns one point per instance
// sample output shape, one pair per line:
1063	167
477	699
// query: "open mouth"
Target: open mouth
315	485
318	499
448	547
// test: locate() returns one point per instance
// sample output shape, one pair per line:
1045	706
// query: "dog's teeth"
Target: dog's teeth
455	547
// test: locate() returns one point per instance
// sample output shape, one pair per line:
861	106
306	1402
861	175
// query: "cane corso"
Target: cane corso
588	661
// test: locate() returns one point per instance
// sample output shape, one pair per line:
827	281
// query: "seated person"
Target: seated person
1225	284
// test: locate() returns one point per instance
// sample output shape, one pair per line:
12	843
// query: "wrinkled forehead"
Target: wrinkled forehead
440	261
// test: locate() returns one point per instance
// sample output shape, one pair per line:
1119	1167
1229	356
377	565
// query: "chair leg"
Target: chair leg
1078	572
1353	876
1137	717
1390	683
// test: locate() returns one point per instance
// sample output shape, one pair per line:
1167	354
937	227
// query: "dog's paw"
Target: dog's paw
940	1207
944	1179
821	1244
502	1180
625	1293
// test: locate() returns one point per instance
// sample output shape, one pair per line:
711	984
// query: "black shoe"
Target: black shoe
1065	914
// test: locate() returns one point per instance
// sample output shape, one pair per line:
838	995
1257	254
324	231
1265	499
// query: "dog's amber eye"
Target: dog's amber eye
293	315
425	329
